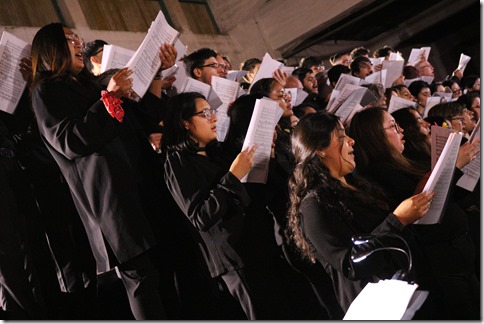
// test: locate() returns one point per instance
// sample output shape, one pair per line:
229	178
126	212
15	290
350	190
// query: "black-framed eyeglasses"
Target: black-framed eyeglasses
215	66
456	90
396	128
207	112
75	40
98	51
461	119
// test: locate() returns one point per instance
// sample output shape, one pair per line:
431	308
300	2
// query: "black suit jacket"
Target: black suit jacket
103	163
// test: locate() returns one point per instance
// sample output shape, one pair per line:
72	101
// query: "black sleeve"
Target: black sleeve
331	237
70	128
202	202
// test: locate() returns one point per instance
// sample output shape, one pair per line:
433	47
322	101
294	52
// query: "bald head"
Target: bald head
293	82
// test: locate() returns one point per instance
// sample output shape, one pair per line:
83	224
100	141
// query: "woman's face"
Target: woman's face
201	128
422	96
424	126
457	122
476	108
469	122
338	156
277	93
456	90
477	85
393	132
405	93
76	45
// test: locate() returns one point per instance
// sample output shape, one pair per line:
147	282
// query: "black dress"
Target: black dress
328	225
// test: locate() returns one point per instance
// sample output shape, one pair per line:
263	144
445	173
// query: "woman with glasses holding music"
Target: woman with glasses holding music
96	139
445	250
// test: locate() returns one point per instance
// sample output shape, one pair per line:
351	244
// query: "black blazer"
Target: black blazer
103	163
214	203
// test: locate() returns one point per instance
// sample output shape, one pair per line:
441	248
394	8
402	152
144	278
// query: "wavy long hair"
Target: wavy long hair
311	178
417	147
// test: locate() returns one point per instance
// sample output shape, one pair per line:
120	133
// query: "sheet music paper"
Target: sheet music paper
192	85
267	67
115	57
416	55
261	132
377	77
472	171
397	103
341	96
408	82
446	95
146	61
463	60
351	103
12	84
236	75
438	139
227	91
385	300
394	70
440	180
431	101
181	78
181	49
300	96
396	57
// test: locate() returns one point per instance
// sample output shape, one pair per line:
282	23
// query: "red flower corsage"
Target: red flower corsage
113	105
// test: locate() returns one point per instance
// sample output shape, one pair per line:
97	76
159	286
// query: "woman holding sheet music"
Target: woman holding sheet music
98	143
444	251
211	197
329	206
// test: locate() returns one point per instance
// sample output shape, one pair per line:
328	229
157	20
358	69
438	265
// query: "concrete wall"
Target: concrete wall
250	28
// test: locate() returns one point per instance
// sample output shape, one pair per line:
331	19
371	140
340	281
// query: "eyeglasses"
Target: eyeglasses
461	119
98	51
396	128
456	91
207	112
215	66
75	40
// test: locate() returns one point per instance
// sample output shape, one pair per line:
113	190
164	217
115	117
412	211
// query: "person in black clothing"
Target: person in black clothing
211	197
444	250
103	154
328	207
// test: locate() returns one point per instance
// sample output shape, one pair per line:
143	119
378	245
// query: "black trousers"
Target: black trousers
141	281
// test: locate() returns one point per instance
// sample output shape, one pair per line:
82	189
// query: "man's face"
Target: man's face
205	72
365	70
310	83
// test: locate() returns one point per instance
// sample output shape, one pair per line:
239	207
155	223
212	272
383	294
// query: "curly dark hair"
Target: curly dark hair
311	178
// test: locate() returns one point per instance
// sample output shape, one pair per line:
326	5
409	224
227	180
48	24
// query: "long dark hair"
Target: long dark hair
240	112
179	108
416	146
51	57
372	146
311	177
